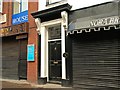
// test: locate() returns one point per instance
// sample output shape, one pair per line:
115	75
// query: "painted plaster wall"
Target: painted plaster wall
76	4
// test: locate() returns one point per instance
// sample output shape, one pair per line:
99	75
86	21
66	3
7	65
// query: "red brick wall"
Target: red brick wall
32	67
7	9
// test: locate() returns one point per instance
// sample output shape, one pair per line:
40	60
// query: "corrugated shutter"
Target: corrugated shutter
96	60
10	48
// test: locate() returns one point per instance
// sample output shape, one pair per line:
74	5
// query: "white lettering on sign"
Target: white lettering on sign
105	21
20	19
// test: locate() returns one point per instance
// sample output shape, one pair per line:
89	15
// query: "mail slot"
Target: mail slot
55	62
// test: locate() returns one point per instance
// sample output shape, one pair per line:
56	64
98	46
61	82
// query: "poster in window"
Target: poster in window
30	52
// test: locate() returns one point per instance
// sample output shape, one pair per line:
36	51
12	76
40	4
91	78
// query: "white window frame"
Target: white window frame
21	6
48	2
2	18
1	6
54	1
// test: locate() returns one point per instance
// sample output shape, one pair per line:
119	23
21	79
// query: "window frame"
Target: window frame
1	6
49	3
20	7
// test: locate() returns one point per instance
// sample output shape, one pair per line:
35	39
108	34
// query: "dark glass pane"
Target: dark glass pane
54	32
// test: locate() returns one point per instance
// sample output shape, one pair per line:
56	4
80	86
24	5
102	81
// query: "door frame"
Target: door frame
52	40
44	48
19	59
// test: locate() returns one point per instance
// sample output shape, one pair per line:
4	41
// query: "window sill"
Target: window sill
56	3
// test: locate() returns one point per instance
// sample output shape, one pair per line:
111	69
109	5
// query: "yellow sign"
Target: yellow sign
4	31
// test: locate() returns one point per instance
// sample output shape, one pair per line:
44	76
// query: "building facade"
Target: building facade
51	26
79	48
16	25
52	42
94	34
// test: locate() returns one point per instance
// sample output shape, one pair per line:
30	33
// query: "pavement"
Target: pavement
24	85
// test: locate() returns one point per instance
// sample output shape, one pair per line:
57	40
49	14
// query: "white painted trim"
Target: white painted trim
38	24
64	26
63	51
3	18
47	60
50	23
43	53
44	44
42	4
54	40
1	6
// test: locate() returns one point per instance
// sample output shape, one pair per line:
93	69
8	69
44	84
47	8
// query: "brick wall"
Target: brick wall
32	67
7	9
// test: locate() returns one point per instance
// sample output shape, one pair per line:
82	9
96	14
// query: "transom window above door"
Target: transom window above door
54	32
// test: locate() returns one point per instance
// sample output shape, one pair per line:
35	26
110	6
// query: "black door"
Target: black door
55	68
23	59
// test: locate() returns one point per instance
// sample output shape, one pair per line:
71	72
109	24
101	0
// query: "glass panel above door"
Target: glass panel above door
54	32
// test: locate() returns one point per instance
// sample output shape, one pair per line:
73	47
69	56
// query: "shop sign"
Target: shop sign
30	52
4	31
20	18
14	30
105	21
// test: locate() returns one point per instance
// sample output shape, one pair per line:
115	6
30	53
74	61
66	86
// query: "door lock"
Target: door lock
55	48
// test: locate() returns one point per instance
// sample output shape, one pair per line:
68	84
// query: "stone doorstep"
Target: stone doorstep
49	85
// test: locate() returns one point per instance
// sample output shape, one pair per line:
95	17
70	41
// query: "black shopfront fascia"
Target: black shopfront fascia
93	18
51	13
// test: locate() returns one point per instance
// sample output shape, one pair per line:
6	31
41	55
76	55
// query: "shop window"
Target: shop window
52	1
1	5
20	6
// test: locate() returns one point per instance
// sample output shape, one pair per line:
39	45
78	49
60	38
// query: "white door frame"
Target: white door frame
44	48
42	29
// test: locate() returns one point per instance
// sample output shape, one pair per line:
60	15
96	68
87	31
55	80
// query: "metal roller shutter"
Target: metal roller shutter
96	60
10	48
